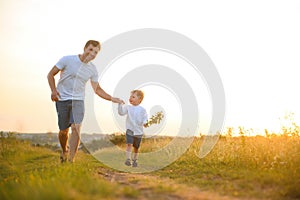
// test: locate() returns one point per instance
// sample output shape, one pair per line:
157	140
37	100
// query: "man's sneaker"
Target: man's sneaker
134	163
127	162
63	157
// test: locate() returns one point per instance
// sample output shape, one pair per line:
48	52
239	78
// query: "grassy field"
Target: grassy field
241	167
29	172
257	167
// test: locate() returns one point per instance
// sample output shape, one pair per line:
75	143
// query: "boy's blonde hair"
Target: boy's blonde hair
139	94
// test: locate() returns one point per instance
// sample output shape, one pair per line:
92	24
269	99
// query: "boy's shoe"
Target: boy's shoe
63	157
134	163
127	162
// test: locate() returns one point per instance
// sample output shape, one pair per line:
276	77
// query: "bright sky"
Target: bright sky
255	46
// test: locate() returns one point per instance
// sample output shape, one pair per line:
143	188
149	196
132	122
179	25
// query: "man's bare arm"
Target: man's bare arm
101	93
51	81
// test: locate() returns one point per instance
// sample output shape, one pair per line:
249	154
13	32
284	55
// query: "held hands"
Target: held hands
117	100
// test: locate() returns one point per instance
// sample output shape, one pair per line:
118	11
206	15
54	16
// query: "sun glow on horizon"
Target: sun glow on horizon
257	60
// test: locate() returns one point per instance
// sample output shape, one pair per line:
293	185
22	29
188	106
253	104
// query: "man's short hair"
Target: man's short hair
94	43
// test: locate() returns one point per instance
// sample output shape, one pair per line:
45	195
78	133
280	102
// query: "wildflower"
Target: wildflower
155	119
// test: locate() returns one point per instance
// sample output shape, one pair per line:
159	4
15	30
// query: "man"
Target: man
75	70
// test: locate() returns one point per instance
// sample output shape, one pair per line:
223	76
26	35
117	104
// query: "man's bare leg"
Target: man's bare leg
74	141
63	136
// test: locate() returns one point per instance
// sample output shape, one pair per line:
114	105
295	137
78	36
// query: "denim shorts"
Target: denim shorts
135	140
69	112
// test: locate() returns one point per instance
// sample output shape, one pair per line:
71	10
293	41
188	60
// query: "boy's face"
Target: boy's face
134	99
91	52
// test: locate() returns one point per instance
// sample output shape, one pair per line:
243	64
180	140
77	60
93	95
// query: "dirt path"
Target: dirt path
153	187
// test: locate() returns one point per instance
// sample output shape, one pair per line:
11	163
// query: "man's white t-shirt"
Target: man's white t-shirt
73	77
136	117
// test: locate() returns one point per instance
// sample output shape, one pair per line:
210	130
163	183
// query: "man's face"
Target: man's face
91	52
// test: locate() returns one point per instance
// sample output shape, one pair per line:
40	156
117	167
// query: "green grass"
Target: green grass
28	172
256	167
246	167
